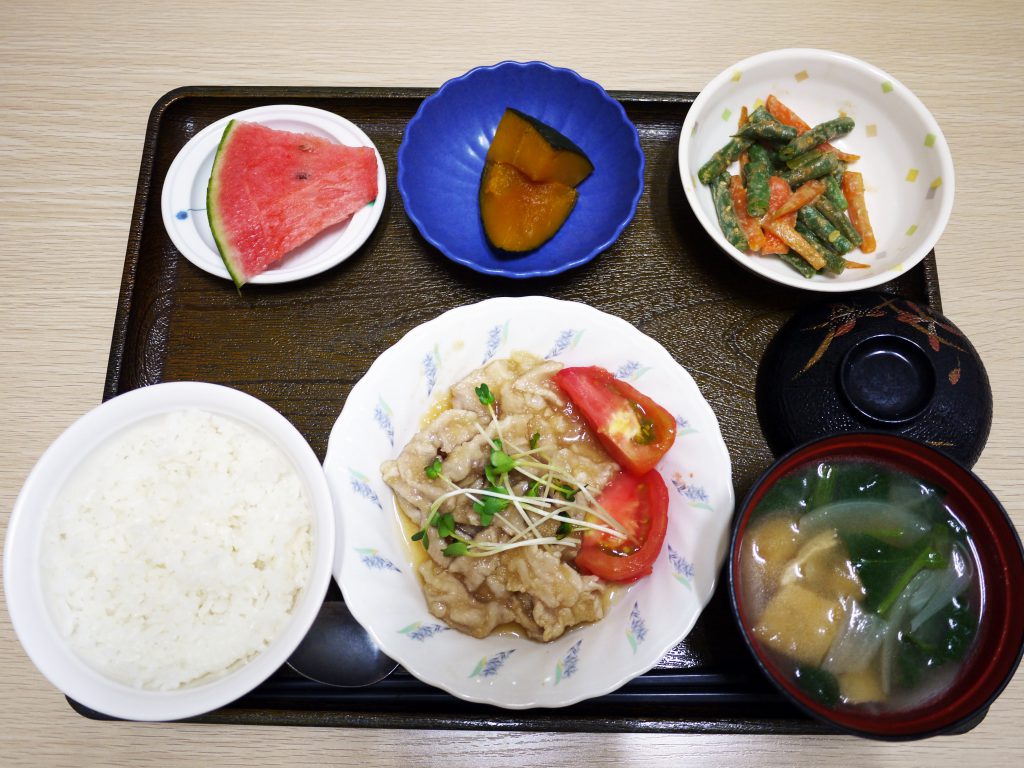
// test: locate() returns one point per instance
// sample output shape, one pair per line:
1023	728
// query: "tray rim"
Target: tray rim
549	720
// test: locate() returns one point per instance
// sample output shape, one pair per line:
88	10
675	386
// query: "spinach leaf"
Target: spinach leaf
943	638
789	493
912	661
823	484
963	626
820	685
862	481
885	569
948	633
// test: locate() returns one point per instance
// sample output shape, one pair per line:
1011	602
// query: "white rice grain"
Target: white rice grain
177	551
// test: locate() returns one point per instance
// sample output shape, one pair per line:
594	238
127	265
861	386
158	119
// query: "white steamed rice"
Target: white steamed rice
177	551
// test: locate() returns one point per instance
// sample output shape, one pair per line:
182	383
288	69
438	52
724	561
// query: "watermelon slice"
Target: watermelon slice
271	191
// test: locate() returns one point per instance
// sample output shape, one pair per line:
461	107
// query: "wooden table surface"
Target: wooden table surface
77	81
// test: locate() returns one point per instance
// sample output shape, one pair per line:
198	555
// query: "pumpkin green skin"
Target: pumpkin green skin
538	150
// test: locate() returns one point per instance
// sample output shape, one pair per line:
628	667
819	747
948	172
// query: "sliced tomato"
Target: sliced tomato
640	504
634	429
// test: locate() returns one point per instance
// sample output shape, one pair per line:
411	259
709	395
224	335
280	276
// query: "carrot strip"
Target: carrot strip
749	225
785	115
853	191
779	194
846	157
856	265
805	195
794	240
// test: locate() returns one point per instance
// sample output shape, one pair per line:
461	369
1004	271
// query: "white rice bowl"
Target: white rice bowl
169	551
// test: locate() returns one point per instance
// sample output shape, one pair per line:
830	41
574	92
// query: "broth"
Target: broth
862	584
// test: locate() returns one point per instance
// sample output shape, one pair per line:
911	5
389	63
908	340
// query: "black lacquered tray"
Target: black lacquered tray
301	346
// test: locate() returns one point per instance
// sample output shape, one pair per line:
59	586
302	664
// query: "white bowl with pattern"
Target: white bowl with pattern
375	563
904	158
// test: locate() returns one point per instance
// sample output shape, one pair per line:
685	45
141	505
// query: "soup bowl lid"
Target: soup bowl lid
874	362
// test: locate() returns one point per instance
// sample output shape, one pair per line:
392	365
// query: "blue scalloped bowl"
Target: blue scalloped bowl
445	144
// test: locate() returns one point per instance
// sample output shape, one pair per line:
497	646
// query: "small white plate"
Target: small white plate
183	202
374	563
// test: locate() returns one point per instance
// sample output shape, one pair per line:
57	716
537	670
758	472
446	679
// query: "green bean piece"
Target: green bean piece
762	125
834	190
838	220
758	190
823	229
727	218
776	132
760	114
797	263
805	159
812	238
819	134
823	165
776	162
721	159
833	261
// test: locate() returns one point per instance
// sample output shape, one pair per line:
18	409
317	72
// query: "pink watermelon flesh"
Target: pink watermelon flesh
271	191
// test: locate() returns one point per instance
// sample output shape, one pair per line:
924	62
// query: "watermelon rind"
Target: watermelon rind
229	257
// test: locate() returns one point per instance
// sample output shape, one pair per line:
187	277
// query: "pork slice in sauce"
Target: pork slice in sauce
534	586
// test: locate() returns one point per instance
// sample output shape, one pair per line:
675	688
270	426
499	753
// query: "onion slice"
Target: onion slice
857	642
943	586
866	517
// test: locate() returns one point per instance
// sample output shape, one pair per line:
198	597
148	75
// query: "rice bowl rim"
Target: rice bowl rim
26	601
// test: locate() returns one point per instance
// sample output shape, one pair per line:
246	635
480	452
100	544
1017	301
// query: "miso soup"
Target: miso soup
861	582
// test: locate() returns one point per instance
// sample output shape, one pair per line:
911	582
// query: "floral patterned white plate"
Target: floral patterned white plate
374	562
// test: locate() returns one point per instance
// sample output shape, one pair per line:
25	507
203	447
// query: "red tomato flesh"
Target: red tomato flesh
640	504
634	429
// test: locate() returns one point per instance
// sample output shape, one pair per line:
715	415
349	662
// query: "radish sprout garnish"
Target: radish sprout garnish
550	495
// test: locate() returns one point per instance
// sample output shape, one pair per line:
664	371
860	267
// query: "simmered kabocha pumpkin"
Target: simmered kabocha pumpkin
527	189
519	214
538	150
